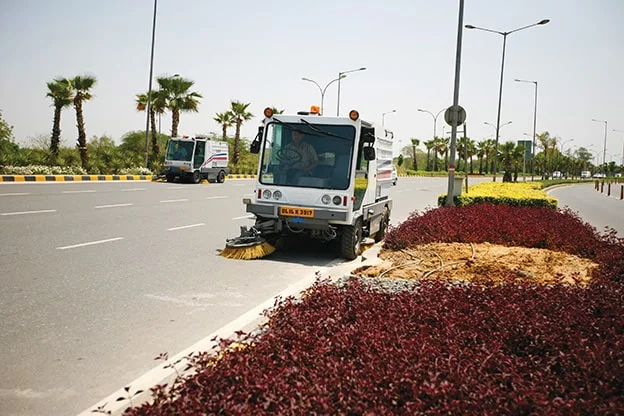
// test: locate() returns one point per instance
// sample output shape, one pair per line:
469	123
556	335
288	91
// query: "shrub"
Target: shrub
42	170
515	194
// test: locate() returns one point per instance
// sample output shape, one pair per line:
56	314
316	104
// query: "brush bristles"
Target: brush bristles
365	247
248	253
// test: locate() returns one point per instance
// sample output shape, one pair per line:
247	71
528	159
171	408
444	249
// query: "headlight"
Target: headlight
325	199
277	195
337	200
266	194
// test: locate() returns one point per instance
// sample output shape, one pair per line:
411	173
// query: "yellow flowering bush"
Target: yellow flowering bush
508	193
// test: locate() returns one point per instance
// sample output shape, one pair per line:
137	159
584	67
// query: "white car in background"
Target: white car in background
394	176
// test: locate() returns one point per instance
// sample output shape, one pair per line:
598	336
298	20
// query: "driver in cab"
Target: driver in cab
302	156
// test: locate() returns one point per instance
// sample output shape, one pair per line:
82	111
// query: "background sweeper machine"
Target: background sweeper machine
319	177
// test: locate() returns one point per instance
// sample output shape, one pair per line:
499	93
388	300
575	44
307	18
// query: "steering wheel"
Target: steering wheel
288	156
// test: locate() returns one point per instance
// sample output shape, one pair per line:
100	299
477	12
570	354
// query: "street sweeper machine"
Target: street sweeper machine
325	178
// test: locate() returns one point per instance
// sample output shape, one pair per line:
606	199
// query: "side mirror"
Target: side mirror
369	153
367	135
255	145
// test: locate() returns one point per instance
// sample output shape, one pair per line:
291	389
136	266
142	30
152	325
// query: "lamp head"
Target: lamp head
543	22
469	27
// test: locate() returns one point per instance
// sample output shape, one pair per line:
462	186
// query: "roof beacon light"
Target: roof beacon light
315	109
268	112
354	115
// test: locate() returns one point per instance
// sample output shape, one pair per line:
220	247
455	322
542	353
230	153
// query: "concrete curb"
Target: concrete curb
73	178
248	322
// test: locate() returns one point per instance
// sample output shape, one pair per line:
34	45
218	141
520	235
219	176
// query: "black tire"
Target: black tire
221	176
383	226
196	177
170	178
350	240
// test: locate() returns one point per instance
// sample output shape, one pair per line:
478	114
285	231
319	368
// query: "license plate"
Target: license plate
297	212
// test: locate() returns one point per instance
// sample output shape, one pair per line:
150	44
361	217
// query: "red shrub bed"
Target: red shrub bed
534	227
436	349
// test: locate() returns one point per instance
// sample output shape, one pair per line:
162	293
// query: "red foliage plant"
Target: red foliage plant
438	348
534	227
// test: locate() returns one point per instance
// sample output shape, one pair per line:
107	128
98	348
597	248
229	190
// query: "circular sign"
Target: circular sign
461	115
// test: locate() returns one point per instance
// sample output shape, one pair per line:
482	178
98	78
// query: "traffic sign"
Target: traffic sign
461	116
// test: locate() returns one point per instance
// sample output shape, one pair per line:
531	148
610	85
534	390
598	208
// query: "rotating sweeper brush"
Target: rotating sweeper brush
247	246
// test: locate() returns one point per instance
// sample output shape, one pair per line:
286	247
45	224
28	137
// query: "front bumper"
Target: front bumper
320	215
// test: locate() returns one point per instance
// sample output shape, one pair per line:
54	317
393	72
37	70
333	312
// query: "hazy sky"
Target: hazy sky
257	52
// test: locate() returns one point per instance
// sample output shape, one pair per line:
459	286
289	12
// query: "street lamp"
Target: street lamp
534	126
500	90
492	125
383	115
149	89
322	90
434	118
342	75
564	142
621	131
604	149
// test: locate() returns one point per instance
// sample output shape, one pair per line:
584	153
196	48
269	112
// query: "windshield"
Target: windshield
179	150
307	155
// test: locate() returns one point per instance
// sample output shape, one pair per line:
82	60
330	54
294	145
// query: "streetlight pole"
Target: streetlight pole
534	127
383	115
500	90
342	75
149	89
322	90
621	131
435	118
604	149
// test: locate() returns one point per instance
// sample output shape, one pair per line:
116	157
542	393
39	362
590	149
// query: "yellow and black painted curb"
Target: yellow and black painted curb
73	178
240	176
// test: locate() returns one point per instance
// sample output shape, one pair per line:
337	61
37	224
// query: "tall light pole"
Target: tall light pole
322	90
342	75
149	89
621	131
604	149
435	118
534	126
495	128
500	90
564	142
383	115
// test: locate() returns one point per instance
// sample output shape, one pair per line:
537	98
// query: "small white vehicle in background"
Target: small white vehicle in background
585	174
394	175
192	159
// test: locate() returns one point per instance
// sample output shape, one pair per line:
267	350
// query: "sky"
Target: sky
257	53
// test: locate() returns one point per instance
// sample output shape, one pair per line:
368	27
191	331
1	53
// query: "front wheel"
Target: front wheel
221	176
196	177
350	240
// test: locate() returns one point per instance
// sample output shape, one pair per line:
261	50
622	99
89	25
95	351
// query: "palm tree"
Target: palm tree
157	105
276	111
430	144
81	86
240	113
415	143
179	98
61	93
226	120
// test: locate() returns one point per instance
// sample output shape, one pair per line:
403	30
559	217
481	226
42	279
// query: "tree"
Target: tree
507	159
157	105
415	143
226	120
400	160
81	91
240	113
178	98
60	91
8	149
429	145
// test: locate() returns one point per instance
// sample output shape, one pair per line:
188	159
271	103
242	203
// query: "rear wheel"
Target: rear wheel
196	177
221	176
350	240
383	225
170	177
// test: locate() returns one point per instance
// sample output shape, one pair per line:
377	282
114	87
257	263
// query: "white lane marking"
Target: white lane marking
79	192
174	200
113	206
243	217
15	194
133	189
90	243
176	187
28	212
217	197
185	226
239	185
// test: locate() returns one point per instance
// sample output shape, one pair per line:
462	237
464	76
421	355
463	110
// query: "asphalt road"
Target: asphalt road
99	278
